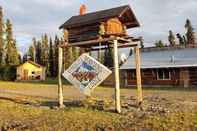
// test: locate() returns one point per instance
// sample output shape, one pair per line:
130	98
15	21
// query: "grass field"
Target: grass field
32	106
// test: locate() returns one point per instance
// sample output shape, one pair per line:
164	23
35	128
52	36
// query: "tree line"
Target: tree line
45	52
189	38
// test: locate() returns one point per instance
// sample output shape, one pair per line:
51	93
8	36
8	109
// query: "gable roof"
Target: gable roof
100	16
173	58
33	63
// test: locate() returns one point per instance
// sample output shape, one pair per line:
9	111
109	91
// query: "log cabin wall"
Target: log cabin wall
112	26
150	78
84	33
193	76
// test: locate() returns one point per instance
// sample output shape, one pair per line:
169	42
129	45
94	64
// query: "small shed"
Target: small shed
105	23
30	71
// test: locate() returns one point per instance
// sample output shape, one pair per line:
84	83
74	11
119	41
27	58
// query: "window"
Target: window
131	75
163	74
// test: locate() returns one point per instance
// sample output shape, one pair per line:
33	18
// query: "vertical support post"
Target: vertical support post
60	88
138	74
99	53
117	80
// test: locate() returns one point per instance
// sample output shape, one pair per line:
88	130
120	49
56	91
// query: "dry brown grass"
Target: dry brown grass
27	106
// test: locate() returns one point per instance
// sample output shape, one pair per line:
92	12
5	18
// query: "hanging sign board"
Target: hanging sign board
86	73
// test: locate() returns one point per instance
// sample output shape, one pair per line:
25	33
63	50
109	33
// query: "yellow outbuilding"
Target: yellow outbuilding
30	71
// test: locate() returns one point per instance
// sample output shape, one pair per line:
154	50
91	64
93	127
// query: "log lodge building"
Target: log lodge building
161	67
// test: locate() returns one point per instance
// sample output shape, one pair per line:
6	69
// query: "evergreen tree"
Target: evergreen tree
190	34
12	54
51	60
38	52
45	52
1	37
108	58
172	39
102	56
31	53
68	58
34	49
185	40
55	58
25	57
159	44
75	53
180	38
16	54
141	42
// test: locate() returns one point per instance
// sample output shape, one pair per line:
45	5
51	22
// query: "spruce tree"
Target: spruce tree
55	58
38	52
45	52
51	60
68	58
141	42
1	37
190	34
34	48
172	39
12	55
75	53
159	44
25	58
31	53
181	40
108	57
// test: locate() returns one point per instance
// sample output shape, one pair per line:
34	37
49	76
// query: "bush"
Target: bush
8	73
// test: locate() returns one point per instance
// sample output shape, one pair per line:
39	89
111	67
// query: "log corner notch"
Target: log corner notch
138	75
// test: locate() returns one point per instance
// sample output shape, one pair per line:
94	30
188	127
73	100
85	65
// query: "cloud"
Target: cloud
32	18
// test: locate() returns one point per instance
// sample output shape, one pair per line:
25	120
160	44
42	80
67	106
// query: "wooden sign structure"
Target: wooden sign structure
86	73
103	29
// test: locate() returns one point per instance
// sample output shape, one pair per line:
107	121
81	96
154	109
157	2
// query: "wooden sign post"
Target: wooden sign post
138	75
117	80
60	87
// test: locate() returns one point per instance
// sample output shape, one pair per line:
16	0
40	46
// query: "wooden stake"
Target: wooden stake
138	74
117	81
60	88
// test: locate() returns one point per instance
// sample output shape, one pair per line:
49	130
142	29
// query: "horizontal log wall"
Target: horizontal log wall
193	76
83	33
149	77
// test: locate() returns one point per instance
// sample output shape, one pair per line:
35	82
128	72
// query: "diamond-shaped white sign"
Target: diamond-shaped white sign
86	73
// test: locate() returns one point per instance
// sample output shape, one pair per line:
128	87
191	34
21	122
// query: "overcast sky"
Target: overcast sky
32	18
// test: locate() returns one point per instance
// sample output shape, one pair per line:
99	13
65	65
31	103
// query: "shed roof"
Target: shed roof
33	63
173	58
100	16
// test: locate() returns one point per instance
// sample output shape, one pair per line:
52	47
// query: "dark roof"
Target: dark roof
170	58
99	16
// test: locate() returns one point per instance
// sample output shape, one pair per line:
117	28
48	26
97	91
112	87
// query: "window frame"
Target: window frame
163	73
